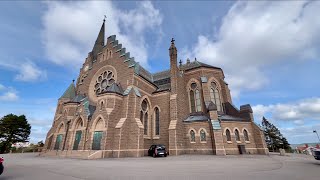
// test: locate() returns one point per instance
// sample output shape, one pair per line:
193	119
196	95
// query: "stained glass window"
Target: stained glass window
96	144
58	142
104	80
192	136
146	124
203	135
198	101
157	114
246	136
215	97
236	133
141	116
228	135
77	140
192	103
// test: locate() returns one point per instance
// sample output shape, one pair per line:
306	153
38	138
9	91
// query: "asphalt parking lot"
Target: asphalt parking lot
292	167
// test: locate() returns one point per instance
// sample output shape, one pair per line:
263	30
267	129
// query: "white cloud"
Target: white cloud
301	134
9	94
297	112
67	41
28	71
256	35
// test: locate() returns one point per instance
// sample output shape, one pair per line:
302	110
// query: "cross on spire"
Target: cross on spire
104	19
172	41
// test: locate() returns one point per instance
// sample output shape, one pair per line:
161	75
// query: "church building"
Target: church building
117	108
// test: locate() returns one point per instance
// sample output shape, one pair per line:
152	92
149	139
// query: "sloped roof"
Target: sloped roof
70	93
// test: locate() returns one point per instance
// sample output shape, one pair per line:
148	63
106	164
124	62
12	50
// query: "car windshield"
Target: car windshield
161	147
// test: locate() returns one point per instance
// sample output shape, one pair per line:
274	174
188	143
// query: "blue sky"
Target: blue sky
269	52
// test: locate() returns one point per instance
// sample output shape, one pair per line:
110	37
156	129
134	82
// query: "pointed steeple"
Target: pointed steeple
98	45
70	93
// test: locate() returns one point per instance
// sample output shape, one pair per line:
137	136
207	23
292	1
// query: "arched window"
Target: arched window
97	134
144	115
228	135
215	97
192	136
236	133
157	121
146	124
203	136
195	101
246	136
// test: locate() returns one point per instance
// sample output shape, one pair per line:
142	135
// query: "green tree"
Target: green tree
274	139
13	129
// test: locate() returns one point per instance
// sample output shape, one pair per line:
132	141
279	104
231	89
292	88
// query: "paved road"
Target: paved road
293	167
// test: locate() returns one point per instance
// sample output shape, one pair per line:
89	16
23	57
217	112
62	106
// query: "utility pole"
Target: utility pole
315	131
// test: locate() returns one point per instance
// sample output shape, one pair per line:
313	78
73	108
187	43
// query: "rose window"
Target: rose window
105	80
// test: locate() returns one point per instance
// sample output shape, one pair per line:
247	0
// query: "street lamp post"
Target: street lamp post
315	131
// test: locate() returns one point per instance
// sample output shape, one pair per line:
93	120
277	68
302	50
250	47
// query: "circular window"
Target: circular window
104	80
193	85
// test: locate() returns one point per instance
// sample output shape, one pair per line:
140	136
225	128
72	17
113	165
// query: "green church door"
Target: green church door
58	142
77	140
96	144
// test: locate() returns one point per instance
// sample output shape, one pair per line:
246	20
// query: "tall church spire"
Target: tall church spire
98	45
173	66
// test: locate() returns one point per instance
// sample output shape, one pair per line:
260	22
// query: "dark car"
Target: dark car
1	165
316	154
157	150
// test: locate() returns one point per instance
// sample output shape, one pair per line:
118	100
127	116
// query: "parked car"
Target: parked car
316	154
157	150
1	165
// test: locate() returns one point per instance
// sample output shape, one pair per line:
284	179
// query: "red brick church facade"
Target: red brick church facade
118	109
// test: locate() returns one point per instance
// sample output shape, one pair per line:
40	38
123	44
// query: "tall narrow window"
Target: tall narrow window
192	103
236	133
77	140
198	102
215	97
195	100
203	136
141	116
58	142
146	124
228	135
246	136
157	123
144	115
192	136
96	144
